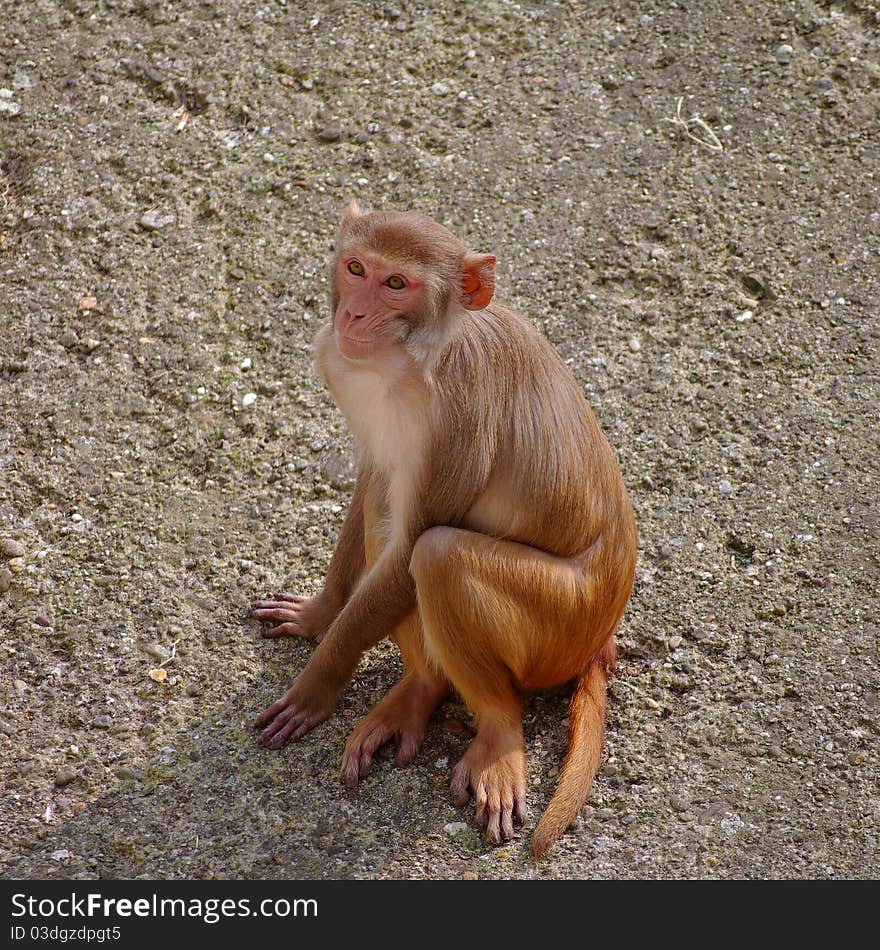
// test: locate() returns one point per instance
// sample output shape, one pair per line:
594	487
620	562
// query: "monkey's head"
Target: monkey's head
398	279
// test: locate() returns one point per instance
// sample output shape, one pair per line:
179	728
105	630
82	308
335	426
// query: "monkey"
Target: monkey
489	535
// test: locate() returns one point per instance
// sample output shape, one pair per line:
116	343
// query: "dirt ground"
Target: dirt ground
684	196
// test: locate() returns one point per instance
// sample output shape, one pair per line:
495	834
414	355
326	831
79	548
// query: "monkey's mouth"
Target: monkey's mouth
353	348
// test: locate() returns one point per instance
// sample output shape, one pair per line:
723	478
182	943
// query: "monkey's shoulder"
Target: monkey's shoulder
500	341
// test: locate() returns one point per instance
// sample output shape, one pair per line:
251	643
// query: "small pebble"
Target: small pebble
440	89
8	106
21	80
784	53
330	133
16	565
674	642
44	620
9	547
62	854
128	774
5	580
156	651
155	220
455	827
634	344
248	399
65	777
102	722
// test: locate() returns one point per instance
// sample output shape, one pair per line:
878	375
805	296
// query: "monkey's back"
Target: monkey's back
553	479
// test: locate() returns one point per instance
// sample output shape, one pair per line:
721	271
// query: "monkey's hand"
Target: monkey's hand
307	617
307	702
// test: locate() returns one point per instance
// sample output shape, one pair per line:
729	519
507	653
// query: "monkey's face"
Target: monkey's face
377	300
399	281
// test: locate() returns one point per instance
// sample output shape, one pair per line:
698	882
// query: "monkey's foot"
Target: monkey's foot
299	710
297	616
402	715
494	768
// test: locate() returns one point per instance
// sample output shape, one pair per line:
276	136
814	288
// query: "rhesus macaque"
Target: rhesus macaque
489	534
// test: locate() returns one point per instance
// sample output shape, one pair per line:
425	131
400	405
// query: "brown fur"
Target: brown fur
490	532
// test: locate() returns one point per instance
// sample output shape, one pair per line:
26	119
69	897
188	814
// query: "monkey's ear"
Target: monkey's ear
477	281
352	213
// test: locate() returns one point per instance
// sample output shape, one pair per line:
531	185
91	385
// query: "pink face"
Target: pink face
374	294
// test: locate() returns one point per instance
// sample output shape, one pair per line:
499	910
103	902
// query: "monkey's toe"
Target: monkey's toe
497	781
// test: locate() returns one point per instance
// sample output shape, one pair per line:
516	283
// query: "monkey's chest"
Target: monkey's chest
387	421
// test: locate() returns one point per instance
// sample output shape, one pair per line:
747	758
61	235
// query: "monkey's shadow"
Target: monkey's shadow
213	803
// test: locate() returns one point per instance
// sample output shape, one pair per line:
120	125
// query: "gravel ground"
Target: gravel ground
682	195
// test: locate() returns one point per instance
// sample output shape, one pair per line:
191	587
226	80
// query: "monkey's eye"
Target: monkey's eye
395	282
356	268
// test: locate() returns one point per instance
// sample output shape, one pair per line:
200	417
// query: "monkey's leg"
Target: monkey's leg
498	617
403	714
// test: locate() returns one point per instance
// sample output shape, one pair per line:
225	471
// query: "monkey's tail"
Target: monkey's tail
586	730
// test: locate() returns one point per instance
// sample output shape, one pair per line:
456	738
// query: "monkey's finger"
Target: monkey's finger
371	743
267	715
274	612
495	808
460	785
520	810
295	598
282	630
507	831
350	772
481	798
361	746
409	746
269	735
289	724
275	602
493	824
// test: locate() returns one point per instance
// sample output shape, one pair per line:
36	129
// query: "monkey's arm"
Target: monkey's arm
382	599
385	595
347	562
311	617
